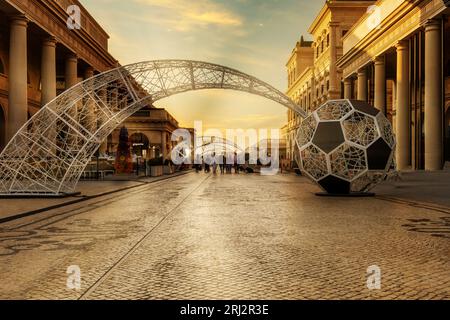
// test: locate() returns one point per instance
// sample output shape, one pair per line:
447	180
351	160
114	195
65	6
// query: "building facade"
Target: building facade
397	58
150	132
40	57
313	76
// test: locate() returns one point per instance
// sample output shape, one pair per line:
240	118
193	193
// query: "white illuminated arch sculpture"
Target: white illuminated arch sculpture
49	153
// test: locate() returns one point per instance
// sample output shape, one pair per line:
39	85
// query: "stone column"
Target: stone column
402	116
89	107
104	99
348	88
334	91
48	70
48	78
163	145
362	84
88	73
18	80
115	99
433	97
394	105
71	73
71	79
380	84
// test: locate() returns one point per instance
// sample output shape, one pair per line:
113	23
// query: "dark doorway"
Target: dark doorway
140	144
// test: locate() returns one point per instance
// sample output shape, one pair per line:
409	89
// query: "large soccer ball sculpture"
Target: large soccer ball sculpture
346	147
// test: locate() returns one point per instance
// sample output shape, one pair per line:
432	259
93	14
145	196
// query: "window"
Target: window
344	32
328	40
322	46
328	85
142	113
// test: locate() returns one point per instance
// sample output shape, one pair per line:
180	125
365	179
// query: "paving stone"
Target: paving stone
226	237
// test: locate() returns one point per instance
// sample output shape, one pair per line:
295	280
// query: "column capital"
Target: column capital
71	56
348	80
402	45
50	41
361	71
333	24
19	20
379	60
432	25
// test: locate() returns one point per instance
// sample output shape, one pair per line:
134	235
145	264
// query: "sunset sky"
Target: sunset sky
253	36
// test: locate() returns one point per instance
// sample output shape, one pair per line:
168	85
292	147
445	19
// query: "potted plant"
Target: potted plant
155	167
168	167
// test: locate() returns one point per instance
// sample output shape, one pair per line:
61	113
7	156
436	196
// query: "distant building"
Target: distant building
150	131
313	77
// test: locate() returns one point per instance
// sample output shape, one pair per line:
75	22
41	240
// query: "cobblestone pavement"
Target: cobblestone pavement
13	207
228	237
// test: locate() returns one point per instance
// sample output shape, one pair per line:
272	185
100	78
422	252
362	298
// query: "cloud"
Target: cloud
183	16
226	32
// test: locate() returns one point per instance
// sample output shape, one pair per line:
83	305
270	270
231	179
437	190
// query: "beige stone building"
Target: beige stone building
149	131
41	57
396	57
313	77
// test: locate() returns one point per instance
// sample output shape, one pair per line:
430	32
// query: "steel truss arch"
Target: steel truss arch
217	141
49	153
217	144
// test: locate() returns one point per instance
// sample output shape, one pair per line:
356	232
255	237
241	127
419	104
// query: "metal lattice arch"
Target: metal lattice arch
49	153
213	144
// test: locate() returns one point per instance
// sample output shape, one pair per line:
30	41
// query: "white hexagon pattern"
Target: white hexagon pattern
354	165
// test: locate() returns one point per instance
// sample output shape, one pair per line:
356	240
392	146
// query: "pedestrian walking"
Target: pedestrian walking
222	165
214	164
230	161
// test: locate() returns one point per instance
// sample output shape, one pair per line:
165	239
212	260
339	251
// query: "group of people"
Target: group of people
225	165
